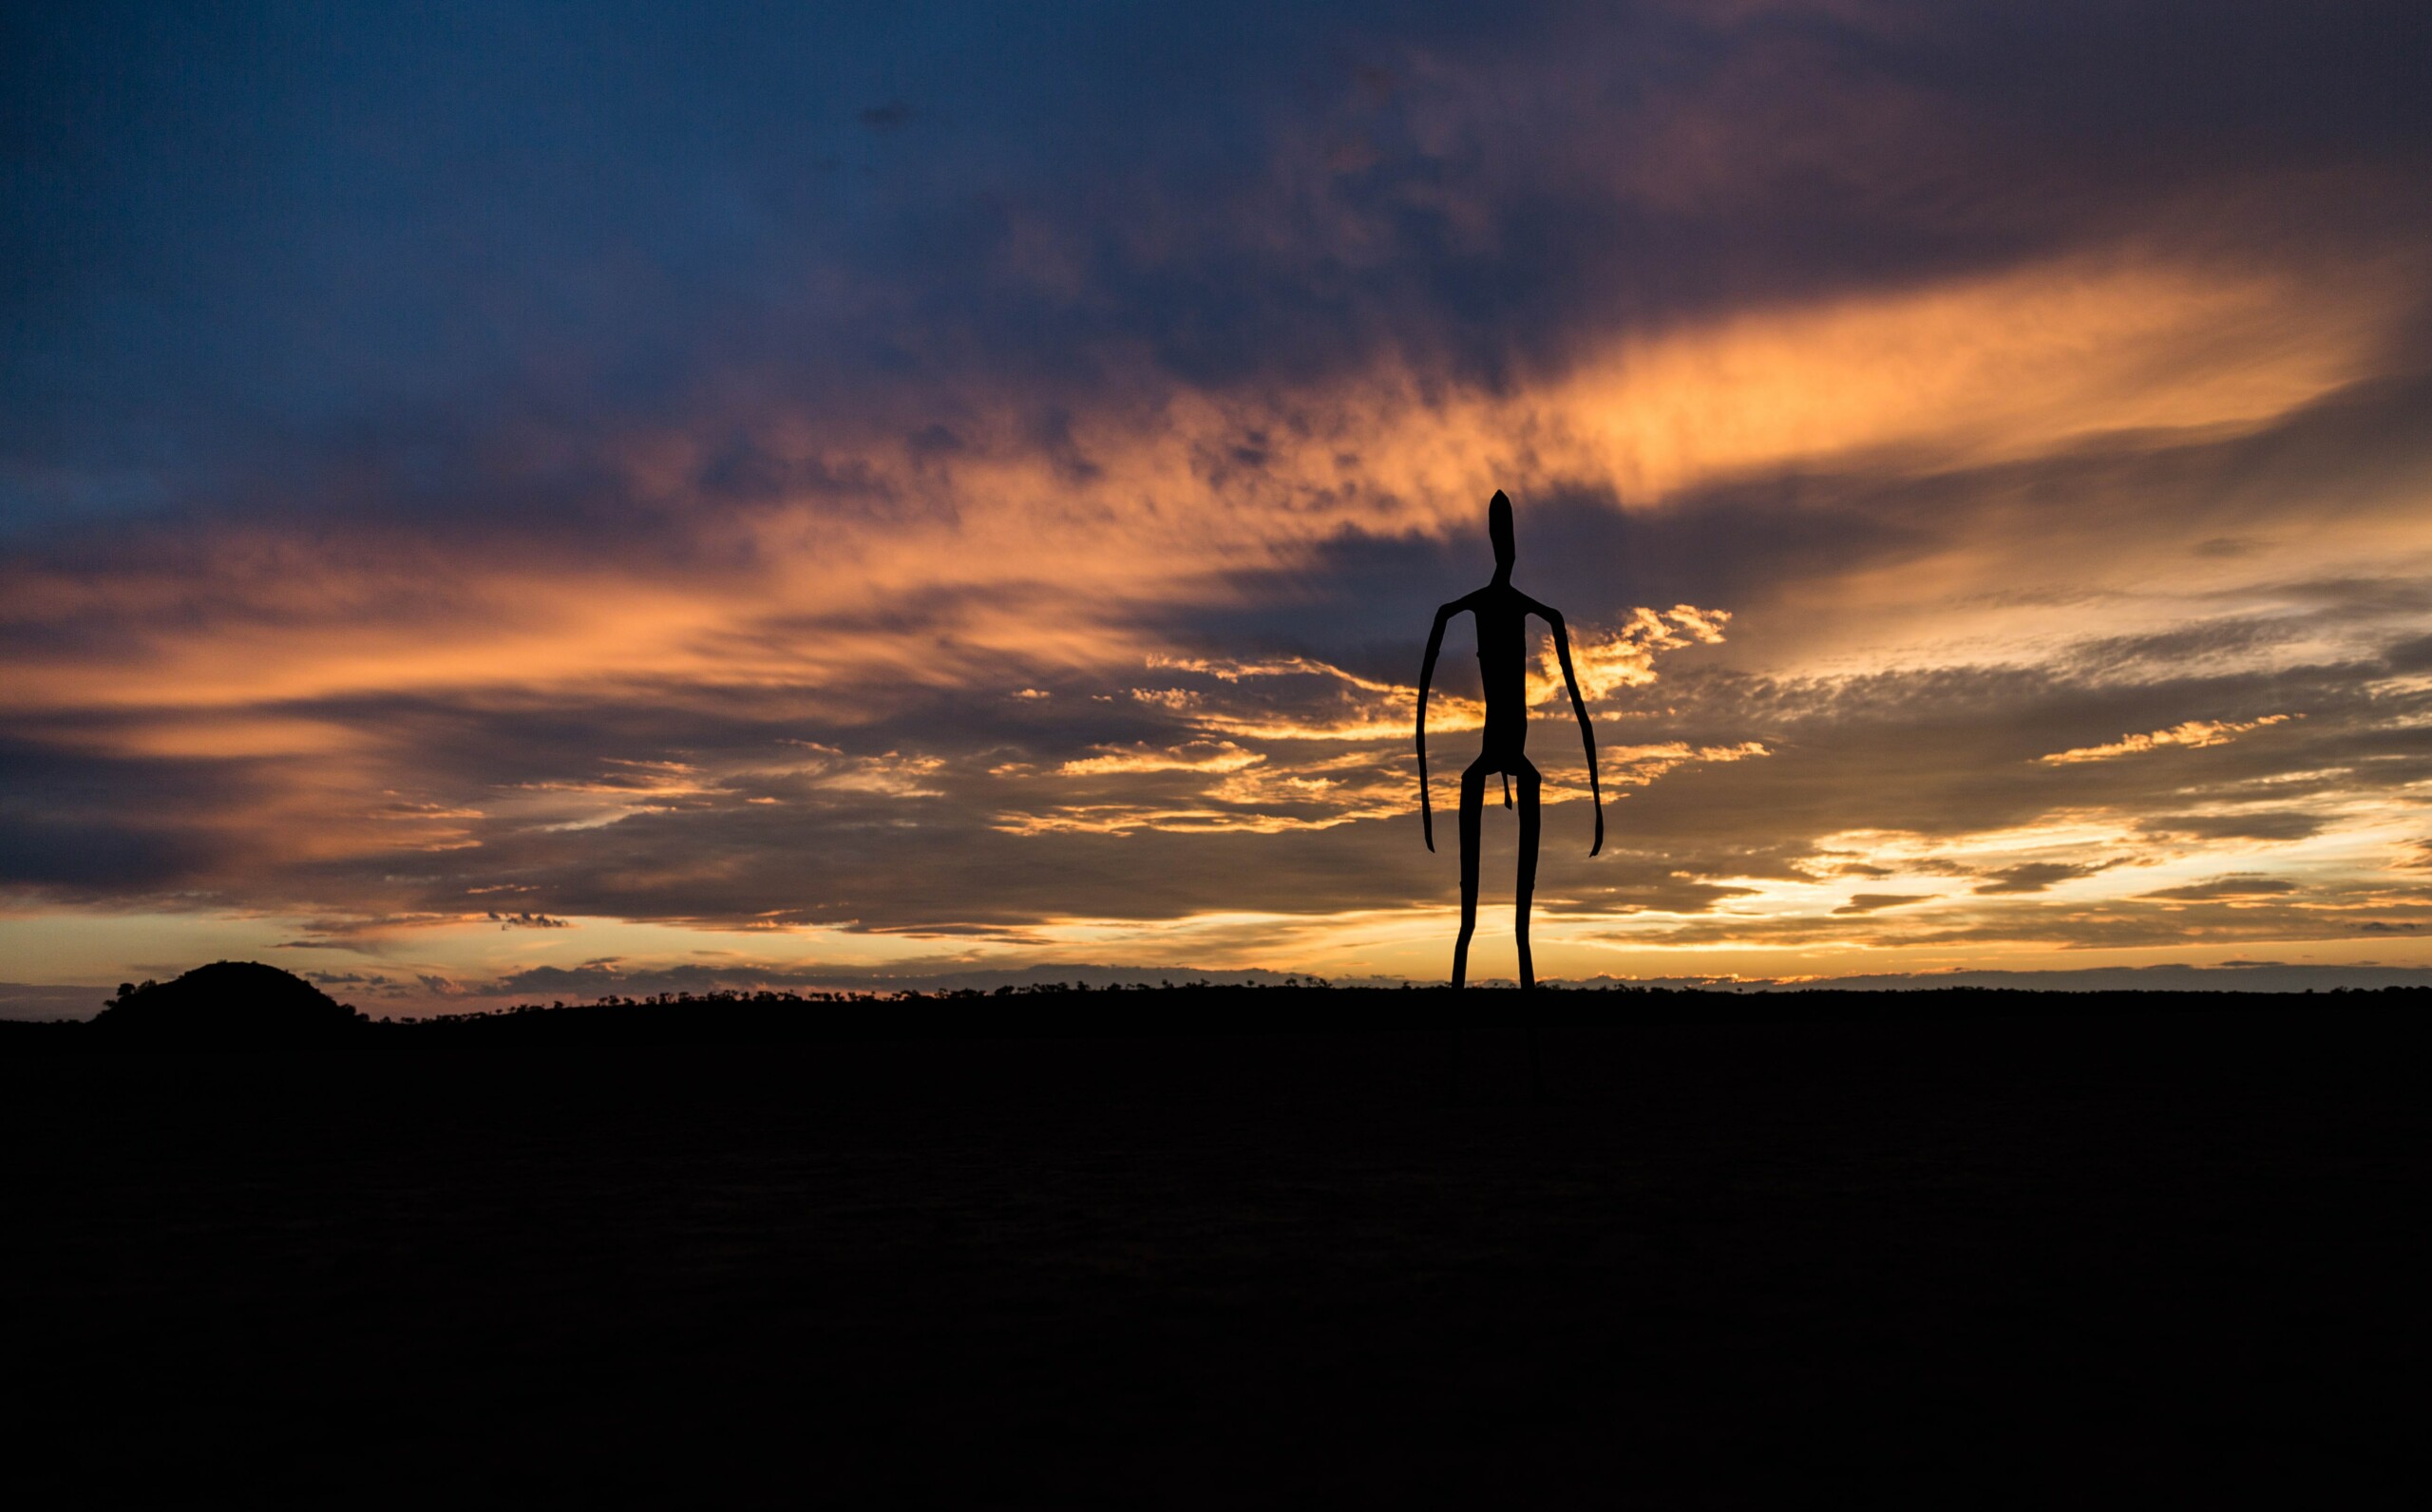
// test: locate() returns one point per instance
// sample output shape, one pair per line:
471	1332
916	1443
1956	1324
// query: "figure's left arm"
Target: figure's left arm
1587	731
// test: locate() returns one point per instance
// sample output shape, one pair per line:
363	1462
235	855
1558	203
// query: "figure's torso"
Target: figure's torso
1502	616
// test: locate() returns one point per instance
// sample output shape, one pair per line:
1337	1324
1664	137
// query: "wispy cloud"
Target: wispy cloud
2193	733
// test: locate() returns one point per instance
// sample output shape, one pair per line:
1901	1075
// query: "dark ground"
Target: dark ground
1968	1249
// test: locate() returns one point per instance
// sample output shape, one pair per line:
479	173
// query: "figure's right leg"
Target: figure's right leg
1473	809
1530	785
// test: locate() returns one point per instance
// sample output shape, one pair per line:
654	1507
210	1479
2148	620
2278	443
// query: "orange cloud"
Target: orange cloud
999	571
1192	756
1015	565
2193	733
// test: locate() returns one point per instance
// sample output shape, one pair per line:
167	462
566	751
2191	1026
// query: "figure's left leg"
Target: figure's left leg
1530	784
1472	807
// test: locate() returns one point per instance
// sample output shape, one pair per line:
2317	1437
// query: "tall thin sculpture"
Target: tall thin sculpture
1501	612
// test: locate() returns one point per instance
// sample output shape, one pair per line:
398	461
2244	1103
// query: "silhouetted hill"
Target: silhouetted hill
227	1002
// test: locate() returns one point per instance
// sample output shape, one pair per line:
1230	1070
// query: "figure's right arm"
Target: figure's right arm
1427	675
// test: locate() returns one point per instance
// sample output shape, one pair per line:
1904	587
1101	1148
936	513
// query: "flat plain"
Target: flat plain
1209	1247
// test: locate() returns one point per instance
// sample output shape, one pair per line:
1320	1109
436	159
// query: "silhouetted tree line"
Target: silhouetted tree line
244	1004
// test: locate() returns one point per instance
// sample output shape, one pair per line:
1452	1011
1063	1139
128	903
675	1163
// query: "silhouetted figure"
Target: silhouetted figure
1501	612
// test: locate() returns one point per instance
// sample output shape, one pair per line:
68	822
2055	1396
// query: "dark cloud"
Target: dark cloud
2245	885
402	247
2248	825
1673	894
2035	877
2410	655
1875	902
78	826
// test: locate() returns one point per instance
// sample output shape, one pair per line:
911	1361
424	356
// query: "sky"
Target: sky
521	502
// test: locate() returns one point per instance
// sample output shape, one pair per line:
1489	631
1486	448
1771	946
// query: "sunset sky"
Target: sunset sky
507	501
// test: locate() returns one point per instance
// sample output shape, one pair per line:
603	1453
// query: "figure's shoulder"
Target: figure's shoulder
1537	607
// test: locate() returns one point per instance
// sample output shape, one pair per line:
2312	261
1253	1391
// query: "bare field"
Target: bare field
1985	1250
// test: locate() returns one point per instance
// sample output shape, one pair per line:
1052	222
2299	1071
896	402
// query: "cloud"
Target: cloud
2037	877
2195	733
1192	756
2231	887
1874	902
2240	825
2413	656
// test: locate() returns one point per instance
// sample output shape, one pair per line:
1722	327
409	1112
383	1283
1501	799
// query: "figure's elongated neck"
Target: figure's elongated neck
1503	574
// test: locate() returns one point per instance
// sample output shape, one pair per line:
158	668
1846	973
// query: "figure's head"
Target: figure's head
1498	529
